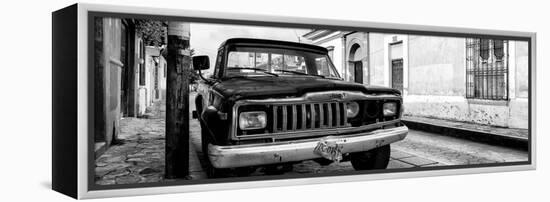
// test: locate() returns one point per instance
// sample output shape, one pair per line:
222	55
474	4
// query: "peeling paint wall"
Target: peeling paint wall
458	108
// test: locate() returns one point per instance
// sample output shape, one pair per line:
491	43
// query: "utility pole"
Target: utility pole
177	101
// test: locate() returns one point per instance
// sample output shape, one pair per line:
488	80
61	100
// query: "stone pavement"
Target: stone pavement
139	158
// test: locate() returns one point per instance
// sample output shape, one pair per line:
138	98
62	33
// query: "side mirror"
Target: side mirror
201	62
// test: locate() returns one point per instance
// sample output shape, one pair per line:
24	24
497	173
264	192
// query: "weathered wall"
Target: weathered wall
436	66
457	108
111	76
437	85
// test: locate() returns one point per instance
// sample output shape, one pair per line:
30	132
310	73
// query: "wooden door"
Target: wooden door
358	71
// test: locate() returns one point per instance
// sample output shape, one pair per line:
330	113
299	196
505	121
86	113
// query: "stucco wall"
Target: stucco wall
111	75
437	85
519	106
436	66
376	57
522	69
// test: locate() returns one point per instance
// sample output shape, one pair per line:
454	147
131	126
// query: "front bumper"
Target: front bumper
299	150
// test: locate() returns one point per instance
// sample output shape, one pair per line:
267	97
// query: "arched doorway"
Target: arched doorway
355	64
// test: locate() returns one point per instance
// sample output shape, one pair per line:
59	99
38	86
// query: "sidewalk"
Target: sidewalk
509	137
139	158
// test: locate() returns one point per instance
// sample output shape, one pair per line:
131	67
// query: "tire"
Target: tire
243	171
373	159
204	132
323	161
210	170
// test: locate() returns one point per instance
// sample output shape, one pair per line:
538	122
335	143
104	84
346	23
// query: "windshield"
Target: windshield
247	61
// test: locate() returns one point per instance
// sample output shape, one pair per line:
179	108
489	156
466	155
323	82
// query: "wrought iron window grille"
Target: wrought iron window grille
487	69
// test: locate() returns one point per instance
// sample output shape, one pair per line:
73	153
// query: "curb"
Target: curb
469	134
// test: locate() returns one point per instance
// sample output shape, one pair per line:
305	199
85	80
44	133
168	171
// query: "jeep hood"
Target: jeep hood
285	86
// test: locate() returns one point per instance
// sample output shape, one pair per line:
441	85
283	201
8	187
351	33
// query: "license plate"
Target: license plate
330	150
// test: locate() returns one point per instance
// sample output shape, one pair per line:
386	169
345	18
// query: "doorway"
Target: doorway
355	63
358	71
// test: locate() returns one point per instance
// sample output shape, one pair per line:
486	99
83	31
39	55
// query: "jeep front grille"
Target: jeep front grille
293	117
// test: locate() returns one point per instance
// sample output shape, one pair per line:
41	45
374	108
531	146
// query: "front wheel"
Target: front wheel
205	140
373	159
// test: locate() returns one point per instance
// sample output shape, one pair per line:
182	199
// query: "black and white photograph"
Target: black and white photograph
185	101
249	101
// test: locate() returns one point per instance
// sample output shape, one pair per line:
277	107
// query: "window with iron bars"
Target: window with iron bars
486	69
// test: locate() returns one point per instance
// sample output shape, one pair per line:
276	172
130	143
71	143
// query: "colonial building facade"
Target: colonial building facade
462	79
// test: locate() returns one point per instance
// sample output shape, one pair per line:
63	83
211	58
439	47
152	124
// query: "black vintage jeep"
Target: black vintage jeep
274	103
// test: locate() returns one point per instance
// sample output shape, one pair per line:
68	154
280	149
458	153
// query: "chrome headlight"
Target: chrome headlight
352	109
390	109
252	120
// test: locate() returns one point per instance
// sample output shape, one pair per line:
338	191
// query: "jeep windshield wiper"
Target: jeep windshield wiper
255	69
296	72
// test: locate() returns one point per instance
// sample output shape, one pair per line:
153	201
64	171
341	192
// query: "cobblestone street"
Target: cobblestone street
139	157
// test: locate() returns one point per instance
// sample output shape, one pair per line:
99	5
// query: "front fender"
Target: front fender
216	127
